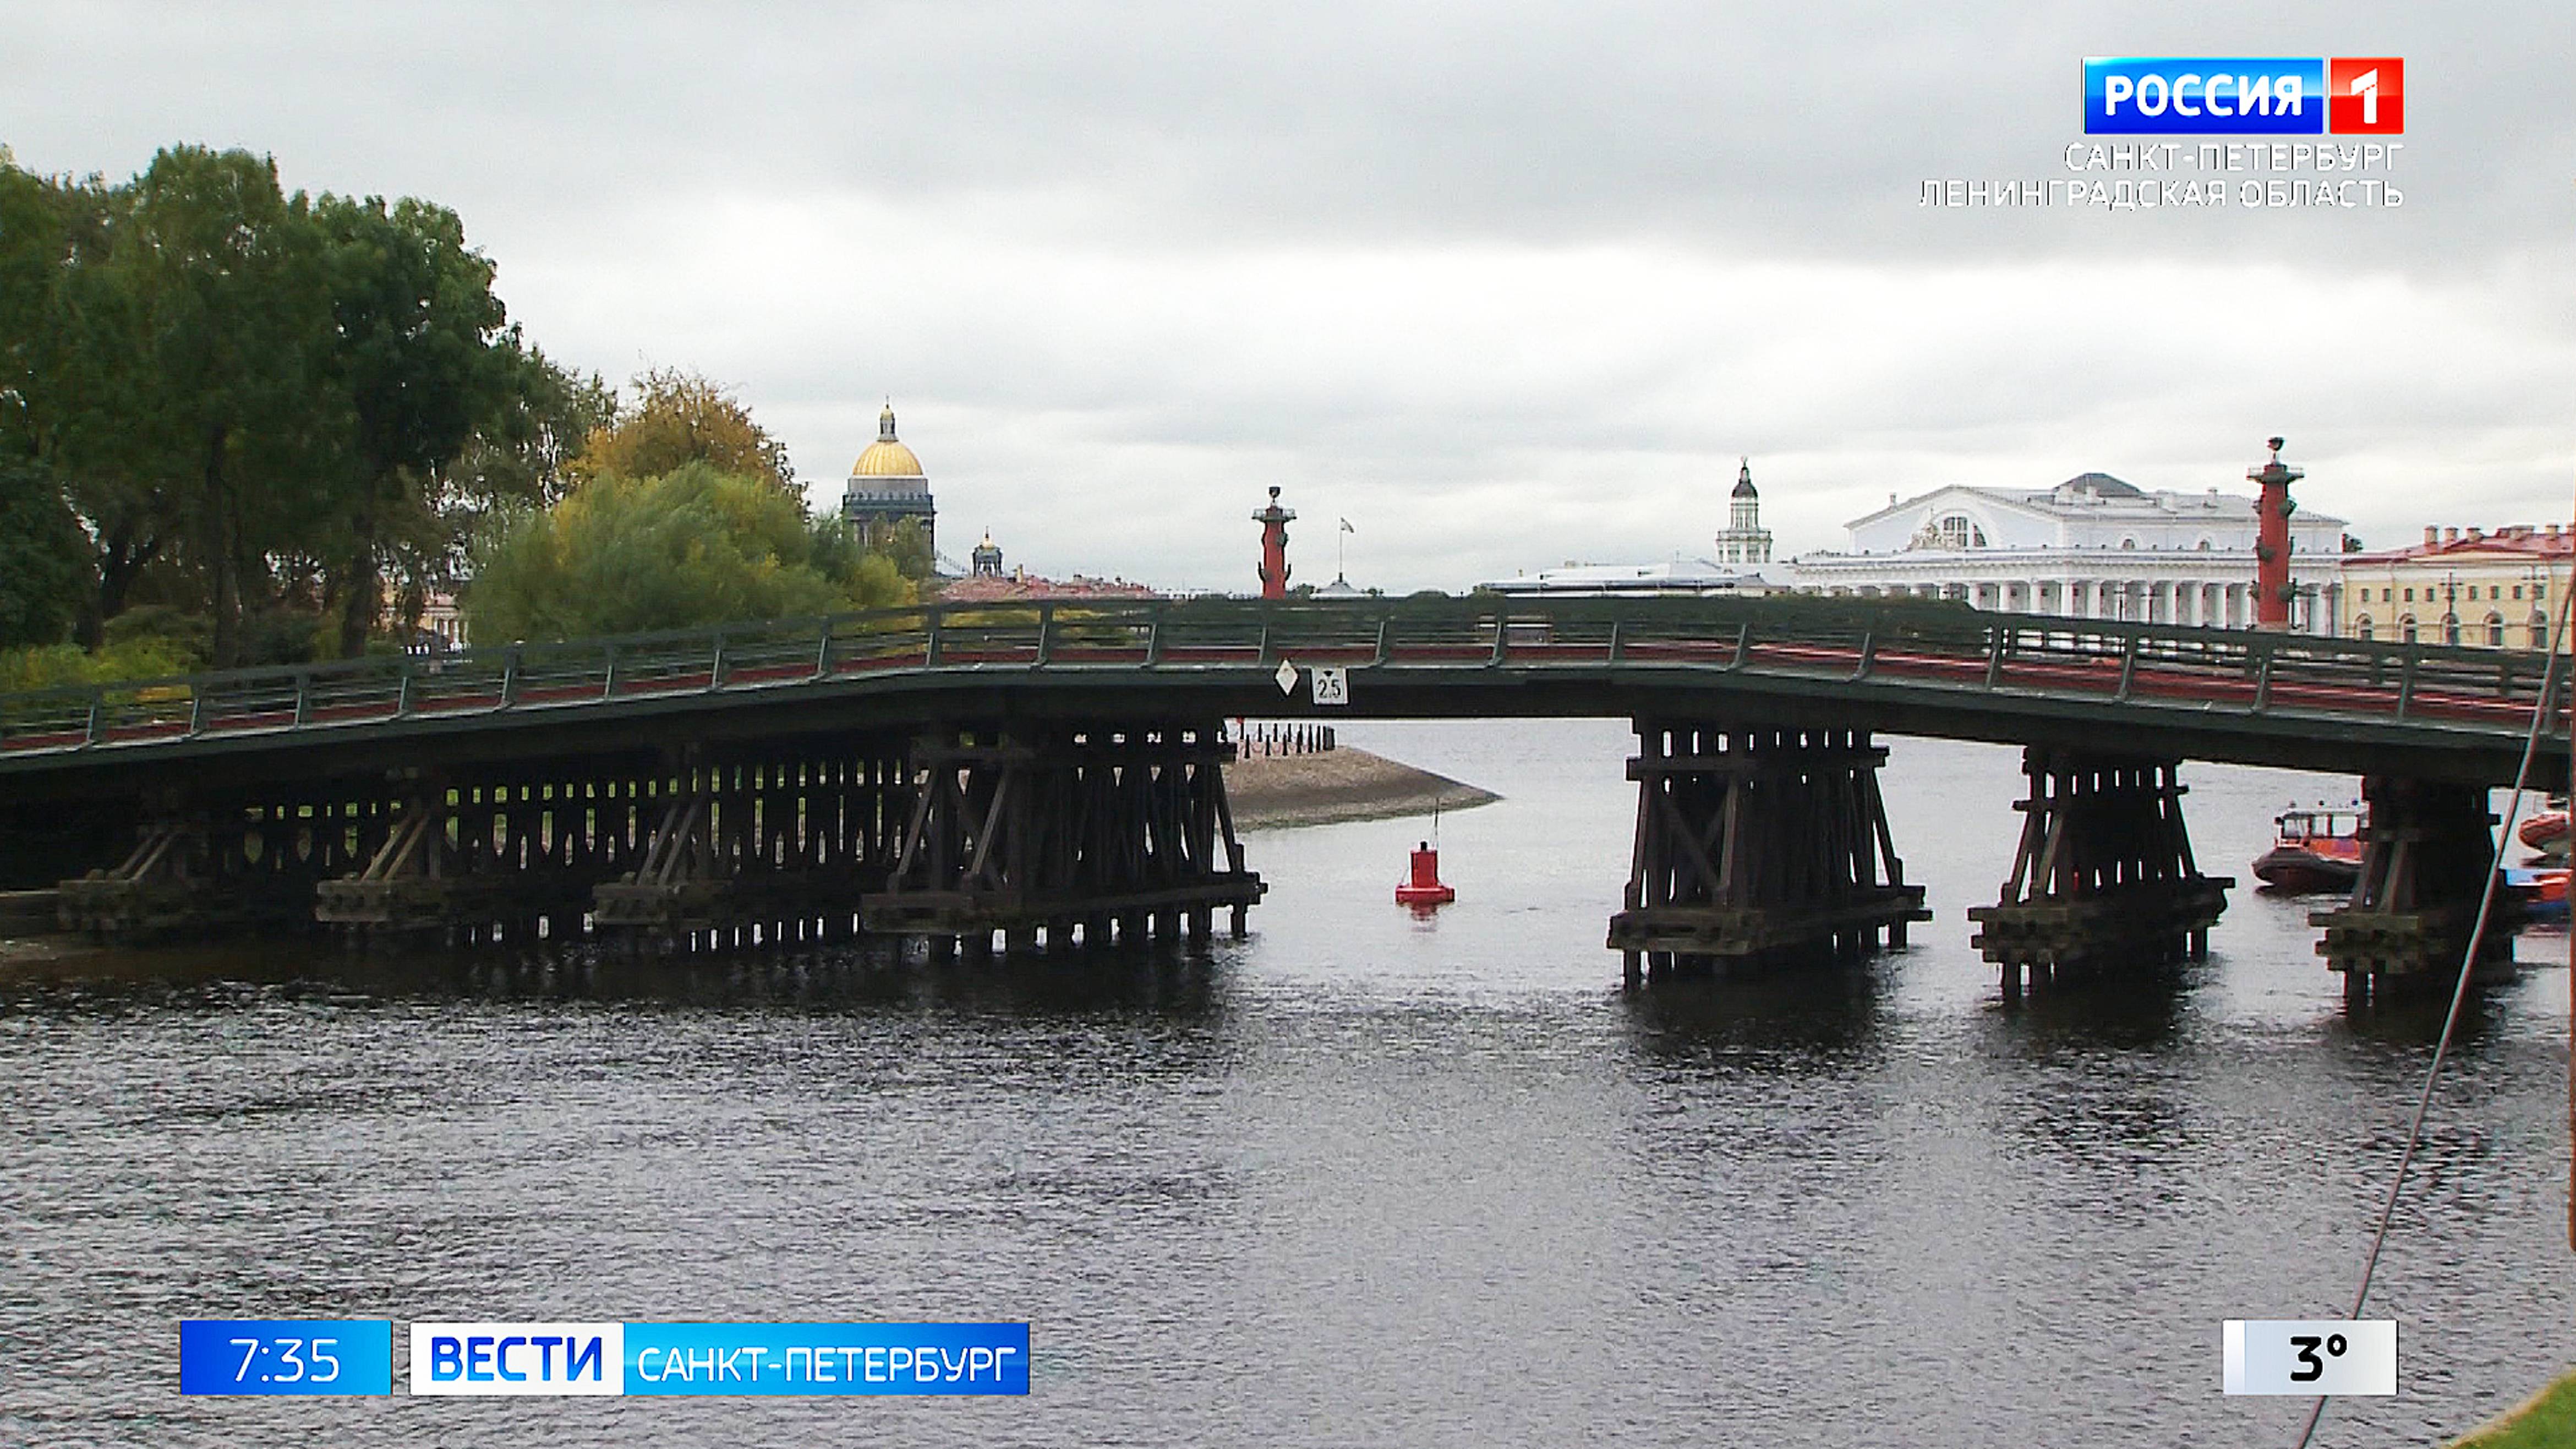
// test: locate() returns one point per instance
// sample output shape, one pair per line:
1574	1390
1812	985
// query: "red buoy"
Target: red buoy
1425	888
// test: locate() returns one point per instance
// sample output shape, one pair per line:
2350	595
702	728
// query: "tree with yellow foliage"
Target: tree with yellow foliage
680	417
691	546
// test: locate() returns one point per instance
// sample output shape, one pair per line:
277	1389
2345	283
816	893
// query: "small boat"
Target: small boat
2546	831
2314	850
2541	891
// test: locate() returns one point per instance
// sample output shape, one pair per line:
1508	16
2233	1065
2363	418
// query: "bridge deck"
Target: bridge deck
1896	666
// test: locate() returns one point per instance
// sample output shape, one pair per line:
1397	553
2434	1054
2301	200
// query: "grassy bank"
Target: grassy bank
2548	1421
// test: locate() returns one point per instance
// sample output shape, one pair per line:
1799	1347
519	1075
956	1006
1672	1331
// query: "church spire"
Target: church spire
1745	540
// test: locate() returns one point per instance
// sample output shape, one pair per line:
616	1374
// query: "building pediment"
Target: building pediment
1954	518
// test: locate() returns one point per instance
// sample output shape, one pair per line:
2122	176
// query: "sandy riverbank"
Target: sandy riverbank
1342	784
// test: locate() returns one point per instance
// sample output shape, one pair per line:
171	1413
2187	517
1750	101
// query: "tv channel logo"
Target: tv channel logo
2244	96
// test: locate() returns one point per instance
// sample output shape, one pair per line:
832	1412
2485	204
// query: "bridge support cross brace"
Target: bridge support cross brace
2103	875
1758	845
779	847
2424	865
478	862
154	889
1021	827
220	862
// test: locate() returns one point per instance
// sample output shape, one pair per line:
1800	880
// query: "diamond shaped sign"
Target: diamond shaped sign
1287	677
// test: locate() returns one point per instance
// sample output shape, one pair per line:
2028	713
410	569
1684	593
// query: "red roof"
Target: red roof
1020	588
2519	540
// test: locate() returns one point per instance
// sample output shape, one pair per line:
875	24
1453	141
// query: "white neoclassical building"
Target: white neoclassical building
2092	547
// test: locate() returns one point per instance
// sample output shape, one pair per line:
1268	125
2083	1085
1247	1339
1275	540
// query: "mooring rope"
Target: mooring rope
2460	991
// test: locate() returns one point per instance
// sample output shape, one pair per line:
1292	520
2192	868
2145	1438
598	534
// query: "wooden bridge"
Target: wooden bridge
1051	771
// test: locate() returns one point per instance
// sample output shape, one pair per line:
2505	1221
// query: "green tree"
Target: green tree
680	417
419	354
31	260
907	546
265	410
198	420
517	458
692	546
44	557
72	372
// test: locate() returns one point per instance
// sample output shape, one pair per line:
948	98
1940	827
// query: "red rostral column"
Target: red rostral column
1274	546
2272	541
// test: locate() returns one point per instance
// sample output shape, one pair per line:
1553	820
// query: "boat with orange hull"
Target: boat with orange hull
2314	851
2545	831
2541	892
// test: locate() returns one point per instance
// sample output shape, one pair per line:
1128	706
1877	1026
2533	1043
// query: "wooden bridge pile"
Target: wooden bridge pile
1757	846
2103	875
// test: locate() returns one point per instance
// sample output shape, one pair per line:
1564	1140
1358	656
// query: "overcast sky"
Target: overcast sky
1506	285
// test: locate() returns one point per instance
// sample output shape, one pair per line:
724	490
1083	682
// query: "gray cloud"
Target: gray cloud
1506	285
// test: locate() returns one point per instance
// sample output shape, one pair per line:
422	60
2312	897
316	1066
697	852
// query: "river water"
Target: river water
1362	1178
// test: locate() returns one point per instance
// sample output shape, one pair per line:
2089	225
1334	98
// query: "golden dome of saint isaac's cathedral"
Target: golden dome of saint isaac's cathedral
887	487
887	457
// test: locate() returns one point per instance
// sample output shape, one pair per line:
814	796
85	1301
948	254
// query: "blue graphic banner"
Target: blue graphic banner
827	1358
286	1356
2204	96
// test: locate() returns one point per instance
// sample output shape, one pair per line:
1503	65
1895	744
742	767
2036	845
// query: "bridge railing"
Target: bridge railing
1900	644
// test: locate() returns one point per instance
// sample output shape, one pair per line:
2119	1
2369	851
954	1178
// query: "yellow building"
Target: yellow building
2460	586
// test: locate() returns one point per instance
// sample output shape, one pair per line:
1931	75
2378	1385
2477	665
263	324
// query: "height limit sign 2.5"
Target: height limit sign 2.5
2311	1356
